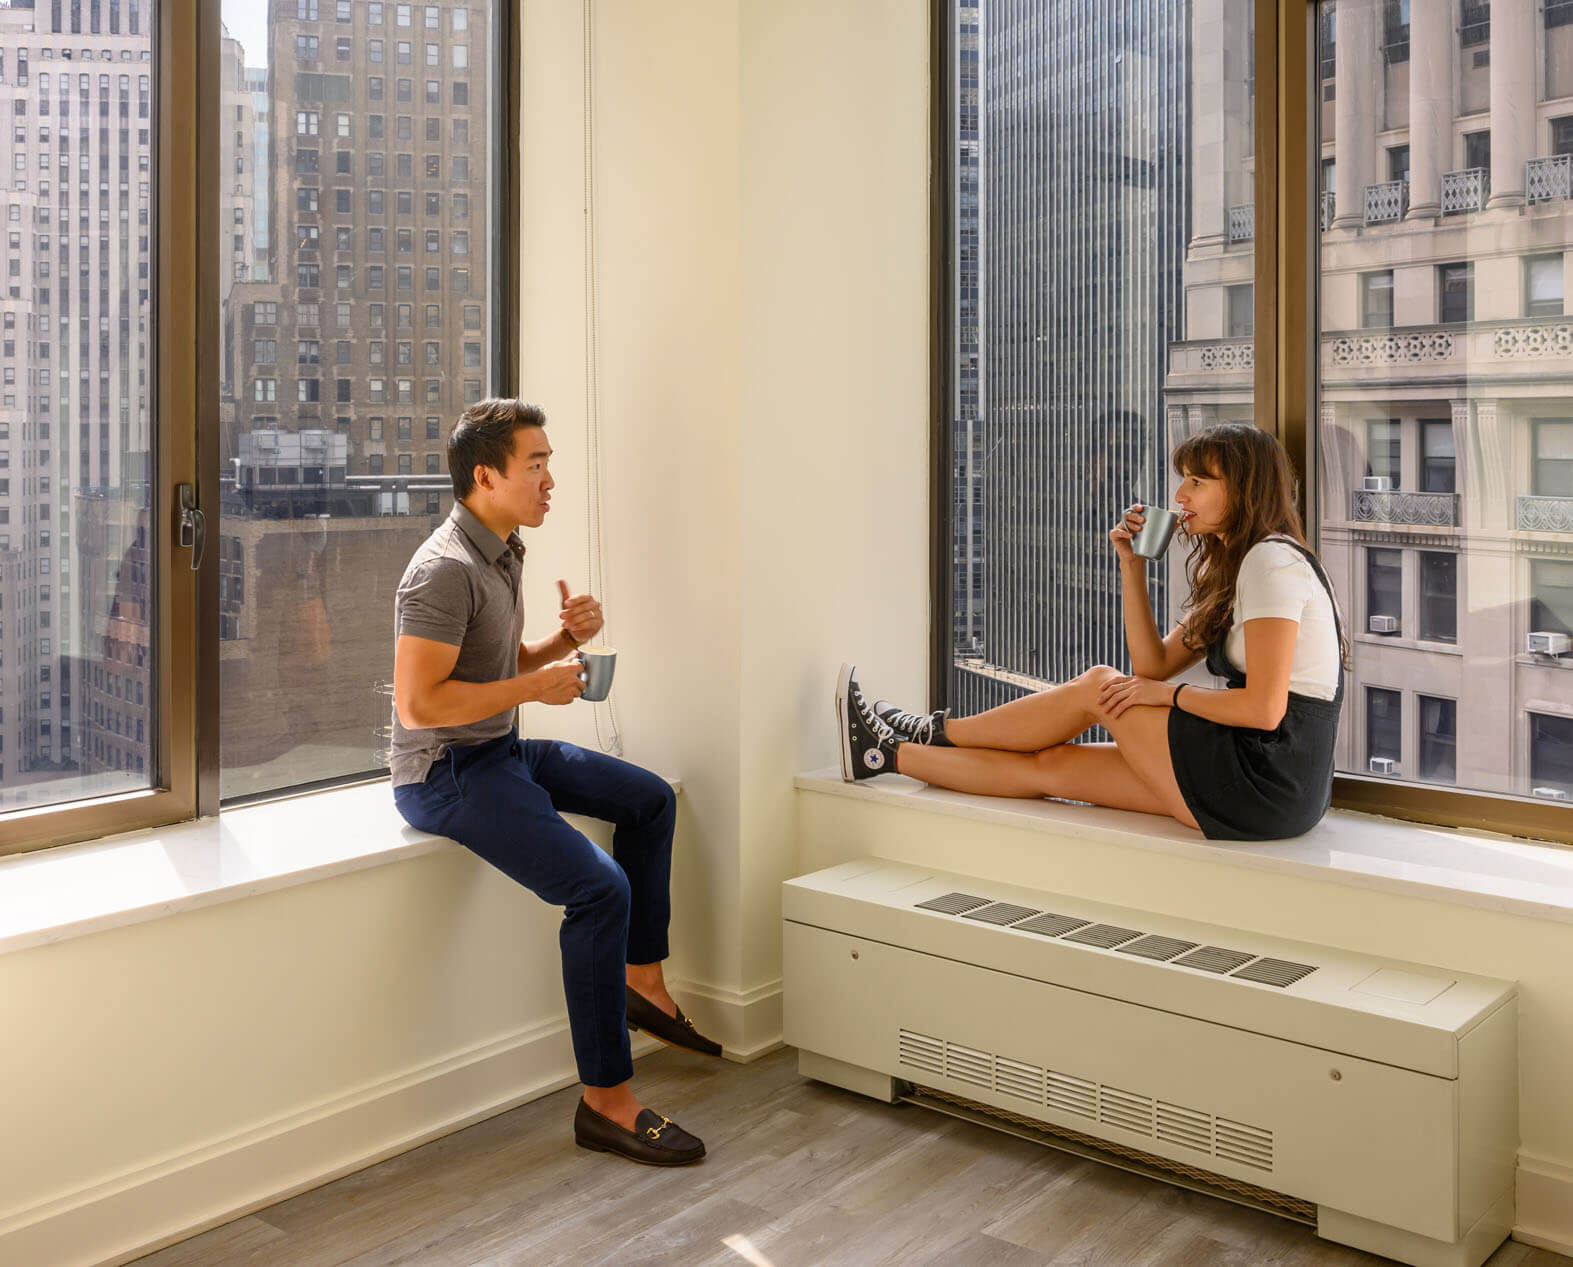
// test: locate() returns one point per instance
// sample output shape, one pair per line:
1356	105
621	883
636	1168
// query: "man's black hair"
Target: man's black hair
483	436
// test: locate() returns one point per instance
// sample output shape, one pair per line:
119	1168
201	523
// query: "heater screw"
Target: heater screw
1335	1075
854	954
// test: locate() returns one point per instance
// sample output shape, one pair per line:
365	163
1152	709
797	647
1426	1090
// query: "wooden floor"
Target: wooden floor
798	1173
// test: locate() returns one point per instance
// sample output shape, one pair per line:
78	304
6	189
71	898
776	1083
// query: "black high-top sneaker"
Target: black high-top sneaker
924	728
868	746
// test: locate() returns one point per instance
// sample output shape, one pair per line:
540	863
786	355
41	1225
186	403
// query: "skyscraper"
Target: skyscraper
1083	224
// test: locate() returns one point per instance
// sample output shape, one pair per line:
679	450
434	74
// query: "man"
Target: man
460	770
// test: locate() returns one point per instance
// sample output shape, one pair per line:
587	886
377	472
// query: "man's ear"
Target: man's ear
483	477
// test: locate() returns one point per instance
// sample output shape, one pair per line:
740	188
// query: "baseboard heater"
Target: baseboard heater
1375	1098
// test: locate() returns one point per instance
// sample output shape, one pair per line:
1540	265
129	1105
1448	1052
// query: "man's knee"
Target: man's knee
604	885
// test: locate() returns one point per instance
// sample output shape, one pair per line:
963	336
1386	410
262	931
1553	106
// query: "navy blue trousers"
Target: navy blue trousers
503	800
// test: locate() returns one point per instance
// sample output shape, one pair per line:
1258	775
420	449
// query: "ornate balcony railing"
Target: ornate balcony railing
1437	510
1549	179
1544	514
1465	190
1386	201
1242	223
1329	209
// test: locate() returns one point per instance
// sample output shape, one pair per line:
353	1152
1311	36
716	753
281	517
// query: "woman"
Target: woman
1251	761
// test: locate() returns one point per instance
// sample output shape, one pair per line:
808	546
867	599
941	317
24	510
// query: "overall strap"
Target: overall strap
1332	598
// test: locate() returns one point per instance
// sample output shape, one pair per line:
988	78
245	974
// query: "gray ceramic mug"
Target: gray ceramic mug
1156	532
599	665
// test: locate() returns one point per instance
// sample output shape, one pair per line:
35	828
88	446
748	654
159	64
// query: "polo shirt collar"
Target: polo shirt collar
491	546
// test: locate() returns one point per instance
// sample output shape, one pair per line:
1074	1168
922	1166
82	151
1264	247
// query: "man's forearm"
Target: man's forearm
454	703
533	655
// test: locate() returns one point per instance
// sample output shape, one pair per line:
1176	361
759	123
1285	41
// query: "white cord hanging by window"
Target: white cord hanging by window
594	564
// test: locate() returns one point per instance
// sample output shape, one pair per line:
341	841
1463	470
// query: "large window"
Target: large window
1077	354
320	510
1432	434
1445	452
95	430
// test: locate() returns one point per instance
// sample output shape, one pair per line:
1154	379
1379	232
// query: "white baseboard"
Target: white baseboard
747	1023
168	1200
1545	1204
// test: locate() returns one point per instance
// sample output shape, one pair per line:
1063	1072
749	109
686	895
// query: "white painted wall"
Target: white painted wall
761	208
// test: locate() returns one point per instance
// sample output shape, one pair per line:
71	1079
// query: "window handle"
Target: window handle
193	524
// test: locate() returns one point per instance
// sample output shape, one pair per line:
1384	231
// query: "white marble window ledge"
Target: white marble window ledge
1441	864
52	895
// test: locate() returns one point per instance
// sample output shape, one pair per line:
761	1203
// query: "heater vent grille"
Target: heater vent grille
919	1051
1001	913
953	903
1279	972
1248	1145
1214	959
1155	947
1178	1124
1106	936
1051	925
1239	964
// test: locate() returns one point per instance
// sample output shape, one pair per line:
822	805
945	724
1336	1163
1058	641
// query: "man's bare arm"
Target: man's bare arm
534	655
427	697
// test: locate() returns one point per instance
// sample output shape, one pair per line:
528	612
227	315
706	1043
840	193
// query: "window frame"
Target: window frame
184	352
1285	374
188	220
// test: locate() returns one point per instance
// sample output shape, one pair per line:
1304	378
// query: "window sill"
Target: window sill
56	894
1439	864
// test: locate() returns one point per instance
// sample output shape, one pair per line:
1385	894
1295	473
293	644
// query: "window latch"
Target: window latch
193	524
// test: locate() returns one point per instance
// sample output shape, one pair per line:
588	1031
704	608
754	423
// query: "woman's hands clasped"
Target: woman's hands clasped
1121	693
1122	533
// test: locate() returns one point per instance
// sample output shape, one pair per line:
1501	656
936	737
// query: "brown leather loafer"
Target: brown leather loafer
674	1031
654	1141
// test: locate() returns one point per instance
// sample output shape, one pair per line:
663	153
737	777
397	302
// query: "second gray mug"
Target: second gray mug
1156	532
599	665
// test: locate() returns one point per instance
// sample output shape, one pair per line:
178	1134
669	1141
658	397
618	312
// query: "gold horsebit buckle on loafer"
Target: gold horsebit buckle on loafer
654	1132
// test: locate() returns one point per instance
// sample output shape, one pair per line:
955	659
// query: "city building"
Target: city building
1083	188
75	414
1445	457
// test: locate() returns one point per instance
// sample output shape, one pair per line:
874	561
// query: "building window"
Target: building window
1376	299
1551	596
1438	596
1242	310
1398	156
306	48
1382	454
1551	752
1438	460
1562	131
1543	286
1477	150
1395	31
1438	739
1474	22
1456	287
1384	733
1552	475
1384	590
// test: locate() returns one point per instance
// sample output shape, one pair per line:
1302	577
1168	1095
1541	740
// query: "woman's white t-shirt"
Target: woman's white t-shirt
1276	581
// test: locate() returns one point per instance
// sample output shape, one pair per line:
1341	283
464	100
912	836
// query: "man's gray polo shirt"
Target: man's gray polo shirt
462	588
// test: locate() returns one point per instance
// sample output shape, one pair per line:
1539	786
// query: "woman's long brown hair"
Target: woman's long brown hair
1261	489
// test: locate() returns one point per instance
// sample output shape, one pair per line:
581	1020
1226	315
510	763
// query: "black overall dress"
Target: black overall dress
1248	784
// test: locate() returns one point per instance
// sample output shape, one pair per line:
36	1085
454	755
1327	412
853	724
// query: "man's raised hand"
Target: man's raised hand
581	614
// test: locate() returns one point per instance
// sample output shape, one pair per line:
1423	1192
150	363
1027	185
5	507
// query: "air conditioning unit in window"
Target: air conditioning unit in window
1384	624
1377	484
1383	765
1547	643
1551	793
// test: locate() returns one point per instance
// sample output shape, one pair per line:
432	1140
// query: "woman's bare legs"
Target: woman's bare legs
1029	724
1135	772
